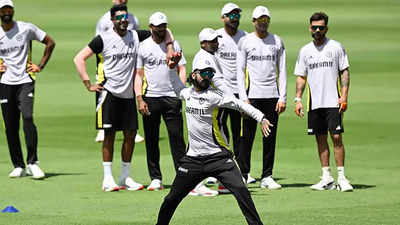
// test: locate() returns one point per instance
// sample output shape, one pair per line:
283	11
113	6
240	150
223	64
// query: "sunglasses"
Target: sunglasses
321	28
206	73
262	20
120	17
233	16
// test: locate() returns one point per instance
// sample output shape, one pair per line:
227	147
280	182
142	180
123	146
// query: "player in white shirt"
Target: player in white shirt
261	77
156	97
226	56
115	104
208	153
322	64
105	24
17	86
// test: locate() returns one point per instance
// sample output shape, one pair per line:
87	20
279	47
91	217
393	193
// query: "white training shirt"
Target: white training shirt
105	23
226	56
203	117
321	65
152	57
118	60
258	63
15	51
218	81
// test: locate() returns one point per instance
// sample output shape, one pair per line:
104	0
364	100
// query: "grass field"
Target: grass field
64	114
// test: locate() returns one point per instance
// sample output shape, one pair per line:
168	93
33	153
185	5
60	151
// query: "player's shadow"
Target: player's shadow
49	175
363	186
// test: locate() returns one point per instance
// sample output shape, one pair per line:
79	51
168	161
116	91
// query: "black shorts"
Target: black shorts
324	119
115	113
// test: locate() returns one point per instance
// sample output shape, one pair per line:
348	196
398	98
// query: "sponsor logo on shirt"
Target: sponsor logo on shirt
158	62
195	111
124	56
323	64
228	55
11	49
263	58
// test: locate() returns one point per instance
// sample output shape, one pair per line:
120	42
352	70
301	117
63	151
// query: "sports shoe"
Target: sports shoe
211	181
35	171
138	138
155	185
17	172
202	190
344	185
109	185
324	184
100	136
269	182
250	180
223	190
130	185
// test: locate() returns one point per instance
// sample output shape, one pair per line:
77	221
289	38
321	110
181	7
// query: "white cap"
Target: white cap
201	64
260	11
5	3
158	18
208	34
229	7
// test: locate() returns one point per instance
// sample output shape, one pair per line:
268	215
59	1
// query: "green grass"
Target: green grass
64	114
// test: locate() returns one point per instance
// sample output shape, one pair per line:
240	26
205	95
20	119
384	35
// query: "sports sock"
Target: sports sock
107	166
125	168
340	171
326	172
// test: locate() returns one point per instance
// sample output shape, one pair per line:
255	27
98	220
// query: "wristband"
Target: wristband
297	99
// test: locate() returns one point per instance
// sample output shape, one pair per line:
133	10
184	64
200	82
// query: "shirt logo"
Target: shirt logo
19	37
207	62
272	48
329	54
183	170
114	47
201	101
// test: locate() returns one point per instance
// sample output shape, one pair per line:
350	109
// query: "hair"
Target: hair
319	16
115	8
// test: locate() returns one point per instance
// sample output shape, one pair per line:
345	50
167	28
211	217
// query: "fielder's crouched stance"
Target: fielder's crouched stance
208	154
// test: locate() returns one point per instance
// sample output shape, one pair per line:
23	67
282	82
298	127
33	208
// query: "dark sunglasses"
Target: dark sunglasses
206	73
233	16
321	28
120	17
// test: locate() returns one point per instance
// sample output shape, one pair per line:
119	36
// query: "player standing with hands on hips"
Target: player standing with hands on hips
17	86
323	64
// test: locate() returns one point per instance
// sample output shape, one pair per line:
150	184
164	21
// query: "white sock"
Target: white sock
125	168
326	172
340	170
107	169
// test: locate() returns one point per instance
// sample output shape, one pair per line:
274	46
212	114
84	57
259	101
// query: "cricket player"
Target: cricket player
261	77
323	65
156	97
208	154
17	86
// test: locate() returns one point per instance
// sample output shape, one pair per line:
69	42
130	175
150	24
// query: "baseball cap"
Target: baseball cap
229	7
202	64
6	3
208	34
260	11
158	18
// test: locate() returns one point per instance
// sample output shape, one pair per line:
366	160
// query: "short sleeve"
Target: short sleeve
96	44
178	48
300	68
36	33
140	58
343	60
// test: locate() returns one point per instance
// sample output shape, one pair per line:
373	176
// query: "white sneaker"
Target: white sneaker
223	190
100	136
17	172
269	182
130	185
324	184
35	171
138	138
250	180
155	185
211	181
202	190
344	185
109	185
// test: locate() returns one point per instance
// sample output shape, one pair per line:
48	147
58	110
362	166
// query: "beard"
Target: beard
202	85
318	36
262	28
7	18
160	35
233	24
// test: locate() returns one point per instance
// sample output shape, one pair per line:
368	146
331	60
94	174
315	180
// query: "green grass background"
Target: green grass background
64	114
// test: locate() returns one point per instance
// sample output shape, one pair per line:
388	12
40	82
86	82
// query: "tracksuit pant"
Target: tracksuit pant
192	170
249	128
16	100
170	108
